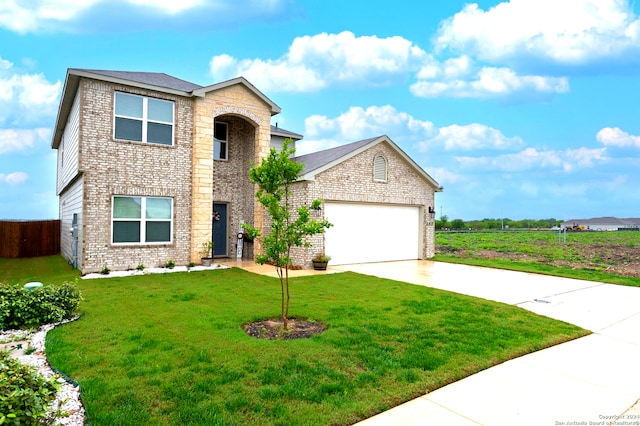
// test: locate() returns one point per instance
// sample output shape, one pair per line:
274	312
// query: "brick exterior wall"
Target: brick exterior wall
115	167
352	181
231	183
187	173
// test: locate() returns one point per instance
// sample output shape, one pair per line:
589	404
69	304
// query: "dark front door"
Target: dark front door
219	220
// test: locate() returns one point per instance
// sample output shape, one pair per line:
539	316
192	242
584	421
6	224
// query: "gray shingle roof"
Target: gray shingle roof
279	131
622	222
152	78
319	159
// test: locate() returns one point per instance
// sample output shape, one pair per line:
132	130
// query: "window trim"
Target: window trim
145	119
142	220
379	168
222	141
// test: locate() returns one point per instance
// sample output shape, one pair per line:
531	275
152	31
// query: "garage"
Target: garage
364	233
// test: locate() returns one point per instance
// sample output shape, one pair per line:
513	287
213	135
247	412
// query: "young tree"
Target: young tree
457	224
443	222
274	177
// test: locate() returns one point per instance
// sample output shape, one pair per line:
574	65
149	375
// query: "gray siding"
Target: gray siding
70	203
68	150
277	141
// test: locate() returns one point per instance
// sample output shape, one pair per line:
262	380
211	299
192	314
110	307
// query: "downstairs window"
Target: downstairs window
141	220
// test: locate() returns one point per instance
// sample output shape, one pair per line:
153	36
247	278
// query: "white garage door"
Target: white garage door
363	233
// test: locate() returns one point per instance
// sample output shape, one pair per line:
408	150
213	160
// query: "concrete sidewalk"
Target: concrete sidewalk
591	380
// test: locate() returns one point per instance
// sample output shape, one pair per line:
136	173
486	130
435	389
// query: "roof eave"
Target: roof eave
125	82
69	91
275	109
288	135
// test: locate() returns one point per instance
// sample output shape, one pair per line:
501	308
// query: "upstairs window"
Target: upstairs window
220	141
380	169
141	219
143	119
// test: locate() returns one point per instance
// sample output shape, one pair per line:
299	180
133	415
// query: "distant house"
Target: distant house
150	166
603	223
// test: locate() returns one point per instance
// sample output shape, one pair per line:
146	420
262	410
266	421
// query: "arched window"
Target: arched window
380	169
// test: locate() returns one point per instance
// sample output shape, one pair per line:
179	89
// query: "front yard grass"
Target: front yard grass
169	349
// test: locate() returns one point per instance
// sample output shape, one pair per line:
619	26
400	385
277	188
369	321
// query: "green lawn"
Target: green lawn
169	349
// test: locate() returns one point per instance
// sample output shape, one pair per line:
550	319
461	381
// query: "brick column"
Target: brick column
202	187
263	142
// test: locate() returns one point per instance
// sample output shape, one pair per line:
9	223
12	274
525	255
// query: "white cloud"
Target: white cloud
445	176
470	137
25	96
36	16
322	132
315	62
613	136
21	140
4	64
14	178
359	123
307	146
23	17
531	158
567	31
489	82
584	157
34	90
168	6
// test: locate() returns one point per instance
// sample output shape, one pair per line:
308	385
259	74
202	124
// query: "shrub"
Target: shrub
44	305
24	394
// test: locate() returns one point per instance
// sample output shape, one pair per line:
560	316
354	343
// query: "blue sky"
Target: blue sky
519	109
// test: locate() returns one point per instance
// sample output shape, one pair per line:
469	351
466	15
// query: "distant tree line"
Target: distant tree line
499	223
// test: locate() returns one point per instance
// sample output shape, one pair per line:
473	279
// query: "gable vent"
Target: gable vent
380	168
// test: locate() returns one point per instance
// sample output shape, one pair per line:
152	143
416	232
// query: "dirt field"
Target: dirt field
611	252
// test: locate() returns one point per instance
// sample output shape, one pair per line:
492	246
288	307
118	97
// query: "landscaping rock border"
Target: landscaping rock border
68	397
146	271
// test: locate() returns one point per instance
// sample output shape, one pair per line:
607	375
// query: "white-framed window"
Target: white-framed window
142	119
380	169
141	220
220	141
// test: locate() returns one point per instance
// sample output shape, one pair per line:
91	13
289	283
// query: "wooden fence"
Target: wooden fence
29	238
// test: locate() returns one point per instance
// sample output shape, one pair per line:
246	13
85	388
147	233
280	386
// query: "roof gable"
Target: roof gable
320	161
202	91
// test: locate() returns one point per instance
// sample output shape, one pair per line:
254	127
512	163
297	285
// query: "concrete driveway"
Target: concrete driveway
592	380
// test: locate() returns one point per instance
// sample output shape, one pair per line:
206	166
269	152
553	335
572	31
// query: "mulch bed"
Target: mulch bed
273	329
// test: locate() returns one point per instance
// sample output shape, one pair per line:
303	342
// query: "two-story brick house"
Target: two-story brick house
151	166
